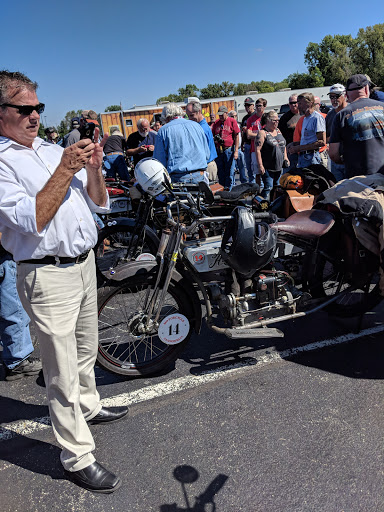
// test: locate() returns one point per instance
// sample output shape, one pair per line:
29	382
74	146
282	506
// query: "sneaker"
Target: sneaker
30	366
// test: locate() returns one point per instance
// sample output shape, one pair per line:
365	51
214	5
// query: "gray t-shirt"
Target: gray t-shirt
312	124
329	121
72	138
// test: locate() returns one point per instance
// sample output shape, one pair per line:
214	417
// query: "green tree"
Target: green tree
41	133
305	80
65	125
212	91
227	88
368	53
264	86
284	84
112	108
187	91
240	89
171	97
332	57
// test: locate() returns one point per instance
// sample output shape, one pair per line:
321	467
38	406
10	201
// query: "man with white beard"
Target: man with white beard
141	143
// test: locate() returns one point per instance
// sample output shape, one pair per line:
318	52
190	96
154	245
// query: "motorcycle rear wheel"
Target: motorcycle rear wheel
121	350
327	280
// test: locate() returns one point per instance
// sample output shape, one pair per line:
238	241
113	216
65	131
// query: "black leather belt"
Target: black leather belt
58	260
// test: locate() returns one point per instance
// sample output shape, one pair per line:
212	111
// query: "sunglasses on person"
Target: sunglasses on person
26	110
293	102
334	96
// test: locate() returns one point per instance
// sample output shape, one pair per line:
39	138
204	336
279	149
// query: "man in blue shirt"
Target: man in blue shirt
194	113
182	147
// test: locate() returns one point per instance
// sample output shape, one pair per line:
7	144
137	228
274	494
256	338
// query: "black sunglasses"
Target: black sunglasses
26	110
293	102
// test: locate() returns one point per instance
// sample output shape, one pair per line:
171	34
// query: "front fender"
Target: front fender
133	268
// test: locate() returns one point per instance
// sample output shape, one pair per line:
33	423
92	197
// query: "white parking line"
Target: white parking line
28	427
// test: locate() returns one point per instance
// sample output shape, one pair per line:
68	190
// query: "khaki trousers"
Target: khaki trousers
212	171
62	303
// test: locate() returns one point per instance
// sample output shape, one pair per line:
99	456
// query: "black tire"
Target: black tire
112	246
120	351
329	279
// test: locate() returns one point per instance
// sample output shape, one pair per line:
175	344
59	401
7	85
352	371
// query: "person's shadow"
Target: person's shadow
188	475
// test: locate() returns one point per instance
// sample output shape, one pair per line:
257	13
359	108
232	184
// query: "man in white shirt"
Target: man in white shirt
46	198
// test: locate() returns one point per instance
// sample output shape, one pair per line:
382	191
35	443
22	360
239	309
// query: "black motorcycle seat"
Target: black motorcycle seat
307	224
237	192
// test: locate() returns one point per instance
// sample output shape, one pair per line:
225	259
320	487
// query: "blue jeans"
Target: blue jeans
247	157
270	180
14	321
189	177
338	170
293	159
306	159
240	162
116	165
226	168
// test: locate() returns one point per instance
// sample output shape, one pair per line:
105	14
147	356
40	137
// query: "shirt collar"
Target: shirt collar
5	143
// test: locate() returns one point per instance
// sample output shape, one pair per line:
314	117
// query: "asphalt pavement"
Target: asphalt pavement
282	425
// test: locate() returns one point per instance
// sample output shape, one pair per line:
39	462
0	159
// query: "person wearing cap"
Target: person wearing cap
212	118
226	136
114	151
357	135
51	135
253	126
74	135
249	105
240	162
287	125
338	97
194	112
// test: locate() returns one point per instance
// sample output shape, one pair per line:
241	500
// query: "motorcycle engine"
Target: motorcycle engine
265	295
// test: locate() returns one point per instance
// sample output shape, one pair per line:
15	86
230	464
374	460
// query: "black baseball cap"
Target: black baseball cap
358	82
249	101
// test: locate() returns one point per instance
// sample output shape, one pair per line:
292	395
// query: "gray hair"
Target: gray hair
140	122
171	110
292	96
11	83
196	106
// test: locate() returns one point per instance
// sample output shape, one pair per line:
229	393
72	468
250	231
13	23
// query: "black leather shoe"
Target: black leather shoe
108	414
95	478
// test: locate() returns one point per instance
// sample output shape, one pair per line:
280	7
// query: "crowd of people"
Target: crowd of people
48	196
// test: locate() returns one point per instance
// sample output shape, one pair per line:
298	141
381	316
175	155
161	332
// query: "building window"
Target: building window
128	122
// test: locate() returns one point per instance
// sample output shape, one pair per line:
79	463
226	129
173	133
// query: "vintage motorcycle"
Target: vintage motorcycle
258	273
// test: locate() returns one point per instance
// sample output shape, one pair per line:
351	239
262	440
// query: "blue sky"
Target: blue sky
93	54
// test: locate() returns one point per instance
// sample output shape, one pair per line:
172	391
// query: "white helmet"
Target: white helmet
151	175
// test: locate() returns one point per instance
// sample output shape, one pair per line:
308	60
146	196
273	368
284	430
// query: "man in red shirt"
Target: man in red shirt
253	126
226	136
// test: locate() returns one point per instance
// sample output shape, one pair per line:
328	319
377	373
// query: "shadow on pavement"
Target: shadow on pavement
33	455
15	410
188	475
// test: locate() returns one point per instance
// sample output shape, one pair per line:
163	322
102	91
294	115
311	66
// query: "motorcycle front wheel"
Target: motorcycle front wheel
112	246
124	350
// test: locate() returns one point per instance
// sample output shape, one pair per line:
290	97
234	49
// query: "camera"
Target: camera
218	140
87	131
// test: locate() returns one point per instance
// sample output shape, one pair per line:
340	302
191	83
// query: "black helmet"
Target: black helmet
248	242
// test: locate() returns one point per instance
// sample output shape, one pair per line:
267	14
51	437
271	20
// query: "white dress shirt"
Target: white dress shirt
23	173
